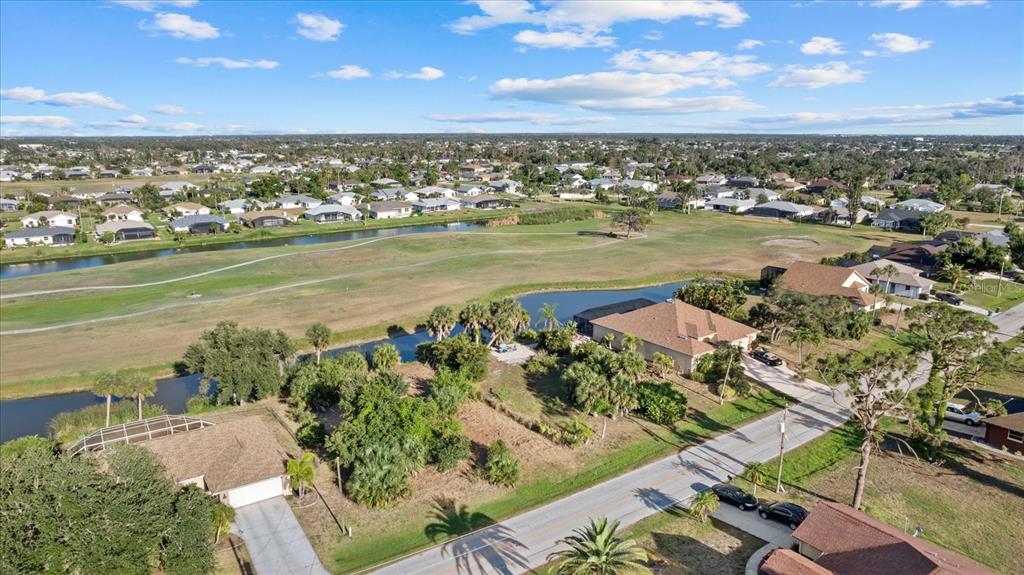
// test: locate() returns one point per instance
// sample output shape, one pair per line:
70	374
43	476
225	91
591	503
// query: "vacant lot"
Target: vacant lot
393	281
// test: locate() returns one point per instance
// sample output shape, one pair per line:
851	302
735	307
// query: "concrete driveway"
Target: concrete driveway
275	540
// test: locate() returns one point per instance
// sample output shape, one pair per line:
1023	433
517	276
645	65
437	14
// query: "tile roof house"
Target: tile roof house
821	280
47	236
49	218
123	212
906	282
921	255
898	219
186	209
199	224
389	210
781	209
126	229
677	329
920	205
264	218
332	213
836	539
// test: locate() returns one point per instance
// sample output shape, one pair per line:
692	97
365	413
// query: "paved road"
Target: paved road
275	540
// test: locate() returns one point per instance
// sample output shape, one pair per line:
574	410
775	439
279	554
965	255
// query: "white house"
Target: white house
389	210
297	201
123	212
469	190
904	280
920	205
730	205
343	199
49	218
431	205
332	213
186	209
47	236
649	187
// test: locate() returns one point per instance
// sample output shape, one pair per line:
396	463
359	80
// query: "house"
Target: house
297	201
730	205
435	191
780	209
643	185
126	230
842	215
389	210
332	213
601	184
836	539
382	182
431	205
670	200
711	179
186	209
115	198
820	185
123	212
47	236
718	192
483	202
586	316
905	282
386	194
199	224
343	199
469	190
821	280
576	194
898	220
264	219
762	194
468	171
238	206
78	173
506	186
919	205
1006	432
679	330
743	182
239	462
49	218
8	205
920	255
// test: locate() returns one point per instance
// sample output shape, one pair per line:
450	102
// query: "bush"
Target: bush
311	435
660	403
448	449
460	354
449	390
502	467
576	433
541	364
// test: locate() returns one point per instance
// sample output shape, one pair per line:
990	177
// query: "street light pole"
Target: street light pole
782	450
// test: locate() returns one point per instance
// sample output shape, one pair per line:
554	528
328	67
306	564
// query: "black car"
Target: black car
949	298
735	495
766	357
788	513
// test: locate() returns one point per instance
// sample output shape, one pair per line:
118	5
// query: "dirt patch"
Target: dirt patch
484	425
791	243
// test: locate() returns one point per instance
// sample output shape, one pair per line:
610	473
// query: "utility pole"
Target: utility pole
782	450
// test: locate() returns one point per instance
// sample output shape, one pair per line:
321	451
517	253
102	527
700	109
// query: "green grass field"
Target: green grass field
387	282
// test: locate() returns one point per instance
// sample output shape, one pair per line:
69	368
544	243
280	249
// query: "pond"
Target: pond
20	417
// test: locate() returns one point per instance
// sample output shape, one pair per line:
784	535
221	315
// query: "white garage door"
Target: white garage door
255	492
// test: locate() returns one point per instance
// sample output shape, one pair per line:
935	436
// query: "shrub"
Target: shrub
541	364
449	390
448	448
660	402
502	467
576	432
69	426
311	435
459	353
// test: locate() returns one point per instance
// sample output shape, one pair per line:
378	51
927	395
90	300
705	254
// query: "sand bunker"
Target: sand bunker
791	243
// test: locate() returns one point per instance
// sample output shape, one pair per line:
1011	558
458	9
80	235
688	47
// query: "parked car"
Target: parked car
959	413
766	357
950	298
787	513
735	496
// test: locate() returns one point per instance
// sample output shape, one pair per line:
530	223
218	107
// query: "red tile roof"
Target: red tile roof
787	562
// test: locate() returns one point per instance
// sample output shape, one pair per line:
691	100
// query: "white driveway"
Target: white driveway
275	540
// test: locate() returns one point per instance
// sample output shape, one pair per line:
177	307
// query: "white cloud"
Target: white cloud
868	53
71	99
535	118
900	43
564	39
170	110
654	35
425	73
41	121
153	5
705	63
749	44
135	119
899	4
228	63
348	72
620	91
318	27
181	26
177	127
962	3
815	77
822	45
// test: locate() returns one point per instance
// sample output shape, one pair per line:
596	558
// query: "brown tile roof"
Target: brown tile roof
227	455
853	543
822	280
121	209
677	326
1013	422
788	562
264	214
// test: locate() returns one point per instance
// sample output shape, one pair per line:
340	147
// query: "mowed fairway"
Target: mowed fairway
359	284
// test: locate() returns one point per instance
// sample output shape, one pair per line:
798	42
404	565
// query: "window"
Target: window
1015	436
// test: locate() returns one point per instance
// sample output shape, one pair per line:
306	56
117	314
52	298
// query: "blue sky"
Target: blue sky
186	67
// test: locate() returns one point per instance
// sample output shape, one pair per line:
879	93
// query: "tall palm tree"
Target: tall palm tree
875	290
597	549
441	321
301	472
319	336
137	384
473	317
954	274
756	473
886	271
223	515
508	319
704	504
548	320
802	335
386	357
107	385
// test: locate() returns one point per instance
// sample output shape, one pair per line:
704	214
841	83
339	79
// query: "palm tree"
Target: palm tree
704	504
223	515
756	473
508	319
802	335
548	320
107	385
875	290
319	336
441	321
954	274
630	342
301	472
473	317
137	384
386	357
886	271
608	339
598	550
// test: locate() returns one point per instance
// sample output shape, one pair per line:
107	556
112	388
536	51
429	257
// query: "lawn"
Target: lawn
989	294
372	284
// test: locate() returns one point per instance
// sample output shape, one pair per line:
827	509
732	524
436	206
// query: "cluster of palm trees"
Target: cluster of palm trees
123	383
504	319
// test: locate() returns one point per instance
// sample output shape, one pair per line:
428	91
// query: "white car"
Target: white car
958	412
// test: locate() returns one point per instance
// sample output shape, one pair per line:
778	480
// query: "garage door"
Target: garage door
255	492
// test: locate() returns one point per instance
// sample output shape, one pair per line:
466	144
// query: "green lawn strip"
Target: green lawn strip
68	383
367	551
